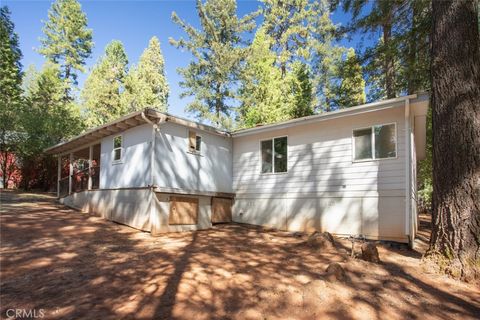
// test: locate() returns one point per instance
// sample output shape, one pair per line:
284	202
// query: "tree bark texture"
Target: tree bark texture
455	79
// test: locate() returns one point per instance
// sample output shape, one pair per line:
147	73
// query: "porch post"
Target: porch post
70	174
59	174
90	156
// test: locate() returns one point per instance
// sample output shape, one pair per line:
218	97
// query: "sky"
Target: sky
133	23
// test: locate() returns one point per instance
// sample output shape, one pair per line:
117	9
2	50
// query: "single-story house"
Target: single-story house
349	172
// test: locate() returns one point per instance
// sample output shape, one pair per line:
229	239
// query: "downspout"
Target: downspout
155	128
408	189
153	217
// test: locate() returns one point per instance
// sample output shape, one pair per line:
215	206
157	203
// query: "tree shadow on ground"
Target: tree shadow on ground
78	266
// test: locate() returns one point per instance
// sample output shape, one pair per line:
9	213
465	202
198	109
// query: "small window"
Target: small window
274	155
198	143
194	142
376	142
117	148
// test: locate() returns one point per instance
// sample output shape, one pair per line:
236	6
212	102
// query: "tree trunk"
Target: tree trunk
455	79
389	67
412	83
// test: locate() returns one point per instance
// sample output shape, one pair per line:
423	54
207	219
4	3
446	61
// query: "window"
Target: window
194	142
198	143
117	148
274	155
376	142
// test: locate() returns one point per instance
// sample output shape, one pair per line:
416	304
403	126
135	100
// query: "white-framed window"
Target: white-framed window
194	142
375	142
274	155
117	148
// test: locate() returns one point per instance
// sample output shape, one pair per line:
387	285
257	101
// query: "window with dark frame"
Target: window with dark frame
194	142
117	148
375	142
274	155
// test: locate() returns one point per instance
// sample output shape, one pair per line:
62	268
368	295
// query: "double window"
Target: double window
274	155
117	148
376	142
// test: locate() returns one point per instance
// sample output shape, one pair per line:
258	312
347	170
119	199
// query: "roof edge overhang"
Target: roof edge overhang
126	122
369	107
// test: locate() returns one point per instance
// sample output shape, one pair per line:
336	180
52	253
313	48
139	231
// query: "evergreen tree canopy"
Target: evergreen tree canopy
263	96
10	89
146	84
67	40
101	95
217	53
302	91
47	117
351	91
285	23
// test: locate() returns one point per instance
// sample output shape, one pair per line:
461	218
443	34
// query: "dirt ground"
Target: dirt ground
73	265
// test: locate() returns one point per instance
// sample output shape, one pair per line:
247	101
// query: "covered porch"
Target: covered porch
79	170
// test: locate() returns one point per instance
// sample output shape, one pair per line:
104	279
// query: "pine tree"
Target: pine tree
67	40
101	94
10	87
217	51
301	90
264	97
285	23
146	85
47	119
351	91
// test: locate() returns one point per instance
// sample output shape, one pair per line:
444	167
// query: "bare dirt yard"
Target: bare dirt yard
73	265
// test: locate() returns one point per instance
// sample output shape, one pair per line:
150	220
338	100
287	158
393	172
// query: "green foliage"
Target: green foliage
351	91
425	169
10	89
325	57
302	91
47	117
399	62
67	40
146	84
284	22
216	47
10	80
101	94
263	96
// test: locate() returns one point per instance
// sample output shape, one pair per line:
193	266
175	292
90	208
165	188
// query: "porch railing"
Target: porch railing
80	181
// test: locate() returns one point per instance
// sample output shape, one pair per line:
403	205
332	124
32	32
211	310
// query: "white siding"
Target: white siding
175	167
134	168
323	188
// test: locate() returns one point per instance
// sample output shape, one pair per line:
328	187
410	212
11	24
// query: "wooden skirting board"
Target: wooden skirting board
194	192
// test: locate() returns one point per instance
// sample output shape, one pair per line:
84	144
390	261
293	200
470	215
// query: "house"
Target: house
351	171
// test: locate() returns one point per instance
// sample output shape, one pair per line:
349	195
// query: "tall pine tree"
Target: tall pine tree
217	51
351	91
101	94
302	91
10	89
146	84
67	40
285	22
264	97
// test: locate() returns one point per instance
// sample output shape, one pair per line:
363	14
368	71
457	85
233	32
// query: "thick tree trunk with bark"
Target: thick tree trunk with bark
455	78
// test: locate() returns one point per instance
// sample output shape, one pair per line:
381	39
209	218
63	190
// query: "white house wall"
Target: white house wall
175	167
133	170
128	206
323	188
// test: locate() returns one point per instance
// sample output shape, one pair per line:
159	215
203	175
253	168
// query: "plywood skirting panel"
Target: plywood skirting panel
221	210
183	210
